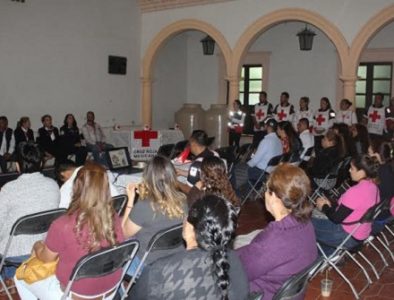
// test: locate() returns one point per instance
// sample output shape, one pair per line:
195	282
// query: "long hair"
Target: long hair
214	220
292	186
291	134
65	121
91	202
215	179
161	185
344	131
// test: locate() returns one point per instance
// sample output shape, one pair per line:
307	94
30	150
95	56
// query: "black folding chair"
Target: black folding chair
255	186
296	285
166	150
119	203
244	153
179	147
32	224
342	251
227	153
101	263
166	239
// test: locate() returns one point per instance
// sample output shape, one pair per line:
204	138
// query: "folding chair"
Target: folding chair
341	251
244	153
169	238
227	153
119	202
32	224
305	156
328	182
166	150
296	285
101	263
178	148
254	186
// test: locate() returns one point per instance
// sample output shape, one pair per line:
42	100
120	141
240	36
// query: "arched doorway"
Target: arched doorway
286	15
159	42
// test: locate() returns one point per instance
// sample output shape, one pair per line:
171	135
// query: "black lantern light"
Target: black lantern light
208	45
305	37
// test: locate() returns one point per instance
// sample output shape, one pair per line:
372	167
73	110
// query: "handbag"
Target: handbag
33	269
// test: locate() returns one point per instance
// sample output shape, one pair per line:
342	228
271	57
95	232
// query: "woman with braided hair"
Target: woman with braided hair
207	269
214	180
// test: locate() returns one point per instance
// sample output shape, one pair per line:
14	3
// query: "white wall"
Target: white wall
202	72
233	17
300	73
54	59
384	38
169	89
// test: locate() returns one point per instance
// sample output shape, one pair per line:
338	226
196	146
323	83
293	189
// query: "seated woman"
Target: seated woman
89	225
351	206
287	245
206	269
160	206
70	139
290	141
331	154
199	143
30	193
214	180
360	137
23	132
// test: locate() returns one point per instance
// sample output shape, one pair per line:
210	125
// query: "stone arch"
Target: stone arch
267	21
156	44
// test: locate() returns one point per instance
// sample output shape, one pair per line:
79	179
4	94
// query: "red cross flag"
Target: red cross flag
144	144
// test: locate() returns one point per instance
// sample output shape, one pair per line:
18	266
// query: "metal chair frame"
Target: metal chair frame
115	261
24	225
154	245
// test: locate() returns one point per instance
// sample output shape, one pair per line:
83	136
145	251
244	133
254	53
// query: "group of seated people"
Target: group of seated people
207	266
55	143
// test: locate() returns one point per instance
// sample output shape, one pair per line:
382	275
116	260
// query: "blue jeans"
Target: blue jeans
98	154
9	272
332	234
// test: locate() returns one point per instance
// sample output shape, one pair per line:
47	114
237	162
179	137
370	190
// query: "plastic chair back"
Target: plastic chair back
119	202
36	223
295	286
169	238
103	262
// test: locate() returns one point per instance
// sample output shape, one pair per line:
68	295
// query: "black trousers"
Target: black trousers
234	138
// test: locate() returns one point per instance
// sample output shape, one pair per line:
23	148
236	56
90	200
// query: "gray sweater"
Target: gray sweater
28	194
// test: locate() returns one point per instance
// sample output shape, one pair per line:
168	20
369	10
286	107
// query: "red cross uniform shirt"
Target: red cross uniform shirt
301	114
346	116
284	113
322	121
376	120
261	111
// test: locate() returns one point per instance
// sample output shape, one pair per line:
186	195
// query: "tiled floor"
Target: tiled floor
254	216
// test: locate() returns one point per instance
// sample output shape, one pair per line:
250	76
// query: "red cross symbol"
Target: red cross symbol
374	116
145	136
282	115
320	119
260	114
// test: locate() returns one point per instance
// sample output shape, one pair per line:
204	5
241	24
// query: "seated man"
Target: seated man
7	143
48	139
306	137
198	143
268	148
95	139
66	173
30	193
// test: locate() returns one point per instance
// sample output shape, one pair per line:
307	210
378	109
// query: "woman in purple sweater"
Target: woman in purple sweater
288	244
